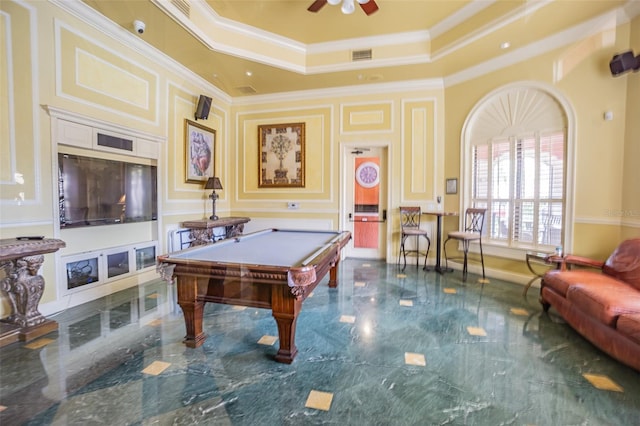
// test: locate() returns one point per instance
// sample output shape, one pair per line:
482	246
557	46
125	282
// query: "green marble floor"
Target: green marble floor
387	347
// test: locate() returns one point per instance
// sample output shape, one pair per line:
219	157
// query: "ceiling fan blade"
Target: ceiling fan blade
369	7
316	5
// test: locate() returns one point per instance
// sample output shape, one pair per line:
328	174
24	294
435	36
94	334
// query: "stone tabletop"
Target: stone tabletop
12	248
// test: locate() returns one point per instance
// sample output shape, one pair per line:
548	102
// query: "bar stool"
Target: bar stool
410	227
473	225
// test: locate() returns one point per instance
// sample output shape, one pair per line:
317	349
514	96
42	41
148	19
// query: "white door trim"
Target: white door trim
345	205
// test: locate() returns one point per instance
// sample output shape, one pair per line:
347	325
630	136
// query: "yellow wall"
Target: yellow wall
600	146
60	63
630	211
103	72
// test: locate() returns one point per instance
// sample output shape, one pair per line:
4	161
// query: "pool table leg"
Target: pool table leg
192	310
333	274
285	308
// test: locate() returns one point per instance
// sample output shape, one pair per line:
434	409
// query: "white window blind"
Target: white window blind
520	180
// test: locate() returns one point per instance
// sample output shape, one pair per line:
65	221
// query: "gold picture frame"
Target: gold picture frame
199	152
281	155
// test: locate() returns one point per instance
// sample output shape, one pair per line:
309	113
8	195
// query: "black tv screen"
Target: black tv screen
96	191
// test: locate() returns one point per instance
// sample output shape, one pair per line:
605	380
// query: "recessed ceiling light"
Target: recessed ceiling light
505	45
248	73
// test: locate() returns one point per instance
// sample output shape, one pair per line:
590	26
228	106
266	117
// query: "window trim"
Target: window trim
494	248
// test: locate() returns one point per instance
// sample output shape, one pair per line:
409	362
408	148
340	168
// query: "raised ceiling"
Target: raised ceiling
287	48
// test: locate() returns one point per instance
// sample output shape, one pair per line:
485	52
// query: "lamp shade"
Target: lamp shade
213	183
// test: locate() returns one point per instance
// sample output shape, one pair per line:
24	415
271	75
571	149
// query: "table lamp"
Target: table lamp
213	183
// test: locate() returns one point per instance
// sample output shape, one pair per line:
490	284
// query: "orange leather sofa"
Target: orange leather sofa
601	302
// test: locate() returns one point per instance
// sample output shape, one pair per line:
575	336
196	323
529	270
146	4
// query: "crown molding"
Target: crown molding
343	91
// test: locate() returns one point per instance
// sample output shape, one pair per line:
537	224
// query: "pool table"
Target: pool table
274	269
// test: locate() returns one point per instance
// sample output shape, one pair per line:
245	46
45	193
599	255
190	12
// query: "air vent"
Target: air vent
246	90
183	6
115	142
361	55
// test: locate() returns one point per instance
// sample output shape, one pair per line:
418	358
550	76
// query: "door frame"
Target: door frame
345	205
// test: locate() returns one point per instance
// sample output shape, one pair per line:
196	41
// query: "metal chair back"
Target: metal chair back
410	217
474	220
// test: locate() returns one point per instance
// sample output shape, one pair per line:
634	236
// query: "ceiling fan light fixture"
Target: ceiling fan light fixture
363	1
333	2
348	7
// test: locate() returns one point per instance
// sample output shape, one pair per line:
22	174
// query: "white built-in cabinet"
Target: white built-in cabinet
93	257
84	136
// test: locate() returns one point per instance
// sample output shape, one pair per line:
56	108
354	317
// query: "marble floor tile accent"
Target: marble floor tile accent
603	382
476	331
519	311
268	340
414	359
319	400
350	319
156	367
531	368
155	323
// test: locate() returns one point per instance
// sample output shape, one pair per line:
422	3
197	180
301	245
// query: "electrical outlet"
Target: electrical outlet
292	205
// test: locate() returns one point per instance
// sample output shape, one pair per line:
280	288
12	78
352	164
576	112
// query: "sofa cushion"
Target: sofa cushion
624	263
605	300
629	325
560	281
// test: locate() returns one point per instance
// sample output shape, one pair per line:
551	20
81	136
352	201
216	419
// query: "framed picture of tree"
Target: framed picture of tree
281	150
199	144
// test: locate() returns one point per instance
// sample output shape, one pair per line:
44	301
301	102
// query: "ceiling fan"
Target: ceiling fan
348	6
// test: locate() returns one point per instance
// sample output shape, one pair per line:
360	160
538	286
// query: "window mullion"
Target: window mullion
536	191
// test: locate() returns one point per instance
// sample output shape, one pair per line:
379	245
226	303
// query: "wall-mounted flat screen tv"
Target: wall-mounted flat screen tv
96	191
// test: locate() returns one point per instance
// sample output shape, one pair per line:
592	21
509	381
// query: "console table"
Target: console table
201	231
20	261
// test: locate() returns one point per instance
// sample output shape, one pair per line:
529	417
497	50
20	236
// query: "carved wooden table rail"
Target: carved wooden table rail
20	261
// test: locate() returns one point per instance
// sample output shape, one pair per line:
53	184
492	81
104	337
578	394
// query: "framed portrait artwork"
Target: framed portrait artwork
199	144
281	151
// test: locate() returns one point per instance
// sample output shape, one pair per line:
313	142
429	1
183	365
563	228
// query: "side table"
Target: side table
536	261
20	261
201	231
439	215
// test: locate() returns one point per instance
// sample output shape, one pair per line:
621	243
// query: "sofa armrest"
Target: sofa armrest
571	259
565	262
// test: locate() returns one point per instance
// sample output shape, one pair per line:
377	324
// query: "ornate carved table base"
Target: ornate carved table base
20	262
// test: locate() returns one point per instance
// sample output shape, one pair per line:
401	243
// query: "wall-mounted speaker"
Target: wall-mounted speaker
204	105
624	62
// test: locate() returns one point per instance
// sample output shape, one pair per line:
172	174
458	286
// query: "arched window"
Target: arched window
515	163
